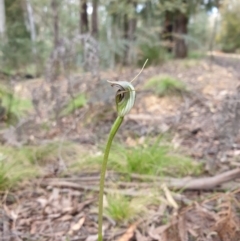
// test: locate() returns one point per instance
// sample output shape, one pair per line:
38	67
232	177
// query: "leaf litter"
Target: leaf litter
53	213
205	123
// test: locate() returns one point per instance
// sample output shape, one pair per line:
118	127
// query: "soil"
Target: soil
204	123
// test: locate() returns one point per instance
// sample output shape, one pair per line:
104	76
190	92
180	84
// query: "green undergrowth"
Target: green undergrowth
124	209
77	102
153	157
11	106
26	162
198	55
14	169
156	54
127	209
189	63
119	208
163	85
157	159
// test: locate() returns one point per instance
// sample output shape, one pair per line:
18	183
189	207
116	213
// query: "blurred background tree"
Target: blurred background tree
229	35
17	49
2	18
126	32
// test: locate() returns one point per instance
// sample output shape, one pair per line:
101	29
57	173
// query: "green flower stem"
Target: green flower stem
125	98
113	132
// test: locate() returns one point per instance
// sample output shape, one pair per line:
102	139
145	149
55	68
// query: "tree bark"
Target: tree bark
180	29
2	18
130	36
32	25
83	17
129	28
167	33
31	20
55	69
95	19
55	22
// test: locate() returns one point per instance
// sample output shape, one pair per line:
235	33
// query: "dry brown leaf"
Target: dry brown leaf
42	201
169	197
162	209
182	228
227	226
192	232
140	237
66	217
153	234
34	226
172	233
129	233
156	233
92	238
68	209
82	205
75	227
54	195
10	213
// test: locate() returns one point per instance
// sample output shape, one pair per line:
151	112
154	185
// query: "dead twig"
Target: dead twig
205	183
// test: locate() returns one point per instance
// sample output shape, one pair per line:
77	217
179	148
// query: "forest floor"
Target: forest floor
198	201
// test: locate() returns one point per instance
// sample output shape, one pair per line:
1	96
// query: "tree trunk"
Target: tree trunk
129	30
95	19
83	17
31	20
32	25
180	29
2	18
167	33
55	68
15	21
55	22
16	33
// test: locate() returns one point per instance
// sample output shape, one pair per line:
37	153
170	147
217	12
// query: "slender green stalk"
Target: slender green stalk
125	98
112	133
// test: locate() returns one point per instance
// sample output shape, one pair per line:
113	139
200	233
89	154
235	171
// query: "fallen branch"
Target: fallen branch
225	55
204	183
66	184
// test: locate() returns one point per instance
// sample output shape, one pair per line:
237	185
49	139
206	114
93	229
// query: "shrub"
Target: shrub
165	85
230	27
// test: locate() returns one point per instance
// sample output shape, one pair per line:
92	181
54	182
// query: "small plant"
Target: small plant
165	85
78	102
120	208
